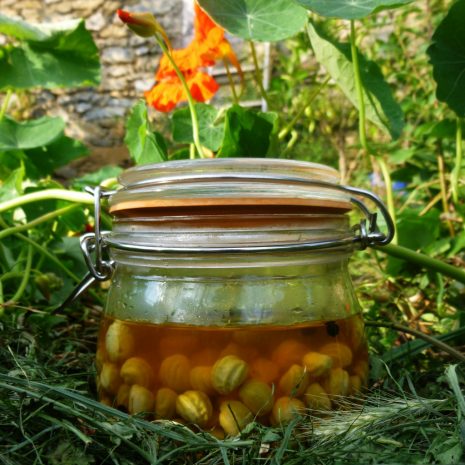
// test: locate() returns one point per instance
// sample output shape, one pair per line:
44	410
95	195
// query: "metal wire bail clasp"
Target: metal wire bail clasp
102	269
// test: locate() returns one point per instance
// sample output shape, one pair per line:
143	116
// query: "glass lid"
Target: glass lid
230	182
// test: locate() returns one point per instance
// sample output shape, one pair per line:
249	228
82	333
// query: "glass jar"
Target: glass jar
230	297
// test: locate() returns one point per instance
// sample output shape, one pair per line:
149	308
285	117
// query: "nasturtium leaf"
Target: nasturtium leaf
145	145
61	55
350	9
95	178
259	20
47	158
247	133
11	187
380	106
447	55
16	135
210	133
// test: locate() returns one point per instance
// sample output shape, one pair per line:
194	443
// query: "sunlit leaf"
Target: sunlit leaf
260	20
447	55
22	135
210	133
247	133
59	55
145	145
380	106
350	9
46	159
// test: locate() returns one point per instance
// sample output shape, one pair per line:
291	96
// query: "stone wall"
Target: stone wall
96	115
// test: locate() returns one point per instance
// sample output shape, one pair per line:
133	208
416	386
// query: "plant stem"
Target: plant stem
389	193
423	260
26	273
431	340
190	100
358	88
442	183
258	74
5	103
50	256
37	221
458	161
231	82
47	194
285	131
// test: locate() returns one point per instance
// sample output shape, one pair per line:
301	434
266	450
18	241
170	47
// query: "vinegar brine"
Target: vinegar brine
222	378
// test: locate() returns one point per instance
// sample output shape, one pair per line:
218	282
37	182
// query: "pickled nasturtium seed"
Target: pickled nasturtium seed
339	352
109	378
316	398
264	370
234	417
195	407
337	383
137	371
317	364
140	400
294	381
119	342
286	408
174	372
201	379
122	398
229	373
289	352
257	396
165	403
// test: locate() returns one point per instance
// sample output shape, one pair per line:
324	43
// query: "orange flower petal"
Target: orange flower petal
165	95
202	86
203	24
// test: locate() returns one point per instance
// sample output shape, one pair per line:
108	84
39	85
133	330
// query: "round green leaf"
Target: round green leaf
447	55
260	20
350	9
16	135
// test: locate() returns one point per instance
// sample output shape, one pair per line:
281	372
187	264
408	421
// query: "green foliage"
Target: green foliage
16	135
447	56
211	133
259	20
247	133
61	55
145	145
380	106
350	9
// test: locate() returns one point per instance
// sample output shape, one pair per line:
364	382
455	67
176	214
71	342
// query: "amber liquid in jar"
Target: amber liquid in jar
222	378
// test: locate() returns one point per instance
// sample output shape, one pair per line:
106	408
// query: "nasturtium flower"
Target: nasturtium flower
207	46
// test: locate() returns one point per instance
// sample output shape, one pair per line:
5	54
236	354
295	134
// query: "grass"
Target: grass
49	415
